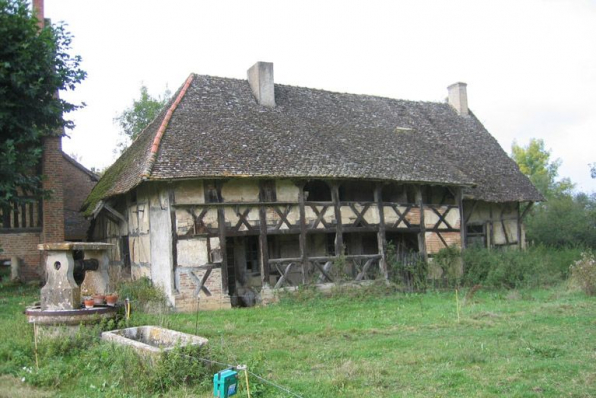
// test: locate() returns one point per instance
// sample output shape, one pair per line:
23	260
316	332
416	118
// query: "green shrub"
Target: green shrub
408	270
583	273
512	269
143	292
448	260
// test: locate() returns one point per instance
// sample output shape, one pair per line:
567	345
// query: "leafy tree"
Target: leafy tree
593	170
534	161
34	66
134	119
564	221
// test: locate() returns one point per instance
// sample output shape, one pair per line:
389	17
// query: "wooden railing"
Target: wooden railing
22	216
326	269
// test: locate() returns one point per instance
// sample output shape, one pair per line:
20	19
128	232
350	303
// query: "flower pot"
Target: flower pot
89	303
99	299
111	299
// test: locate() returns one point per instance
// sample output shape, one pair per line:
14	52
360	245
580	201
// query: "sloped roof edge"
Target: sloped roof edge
79	166
163	127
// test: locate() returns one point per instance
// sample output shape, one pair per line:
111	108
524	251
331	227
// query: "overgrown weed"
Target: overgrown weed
583	273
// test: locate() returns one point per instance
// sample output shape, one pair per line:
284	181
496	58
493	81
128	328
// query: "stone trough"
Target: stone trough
152	339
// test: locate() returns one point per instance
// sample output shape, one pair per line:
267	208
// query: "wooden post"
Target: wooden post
520	221
462	219
172	200
303	248
339	241
221	223
381	236
489	233
502	220
263	246
422	233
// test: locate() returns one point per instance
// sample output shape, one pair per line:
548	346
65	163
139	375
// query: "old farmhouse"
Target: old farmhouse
241	185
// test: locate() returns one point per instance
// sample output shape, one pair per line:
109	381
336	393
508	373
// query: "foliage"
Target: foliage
34	65
140	114
593	170
534	161
143	294
583	273
564	221
407	270
513	269
448	260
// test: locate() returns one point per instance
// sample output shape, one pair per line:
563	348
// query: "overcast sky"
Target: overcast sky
530	65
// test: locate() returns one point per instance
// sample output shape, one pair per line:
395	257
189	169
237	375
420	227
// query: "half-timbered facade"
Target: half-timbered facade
240	185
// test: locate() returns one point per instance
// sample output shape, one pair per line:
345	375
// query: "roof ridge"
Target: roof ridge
333	92
162	127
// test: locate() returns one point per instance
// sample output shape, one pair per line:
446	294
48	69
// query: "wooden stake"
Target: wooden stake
35	341
457	304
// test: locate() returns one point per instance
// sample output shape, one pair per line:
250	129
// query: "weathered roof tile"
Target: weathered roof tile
219	130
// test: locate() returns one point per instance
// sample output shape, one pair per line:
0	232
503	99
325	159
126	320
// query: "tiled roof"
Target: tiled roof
218	130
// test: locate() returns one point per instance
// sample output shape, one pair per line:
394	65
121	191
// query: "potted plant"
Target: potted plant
88	302
111	299
99	299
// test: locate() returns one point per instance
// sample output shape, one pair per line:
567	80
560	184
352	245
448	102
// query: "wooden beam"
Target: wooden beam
283	276
324	271
263	246
459	197
302	241
339	241
221	223
422	233
526	210
519	227
362	273
116	214
325	258
381	235
172	200
503	208
467	219
490	232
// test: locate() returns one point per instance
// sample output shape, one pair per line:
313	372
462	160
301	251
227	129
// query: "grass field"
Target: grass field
528	343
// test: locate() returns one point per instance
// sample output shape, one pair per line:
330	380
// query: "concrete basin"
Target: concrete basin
152	339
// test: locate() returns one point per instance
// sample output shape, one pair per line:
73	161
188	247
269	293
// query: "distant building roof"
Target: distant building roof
214	128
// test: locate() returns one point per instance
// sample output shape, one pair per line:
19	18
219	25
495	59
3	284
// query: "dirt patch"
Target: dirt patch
11	386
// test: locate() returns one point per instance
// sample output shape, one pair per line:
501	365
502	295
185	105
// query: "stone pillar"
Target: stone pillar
60	291
14	268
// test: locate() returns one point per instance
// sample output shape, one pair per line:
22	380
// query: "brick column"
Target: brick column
53	207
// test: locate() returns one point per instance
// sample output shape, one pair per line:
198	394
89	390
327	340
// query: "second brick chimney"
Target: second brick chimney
260	78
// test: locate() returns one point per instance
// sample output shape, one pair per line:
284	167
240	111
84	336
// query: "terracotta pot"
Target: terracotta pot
99	299
89	303
111	299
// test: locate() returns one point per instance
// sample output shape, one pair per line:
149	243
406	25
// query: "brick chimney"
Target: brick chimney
458	98
38	12
260	78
